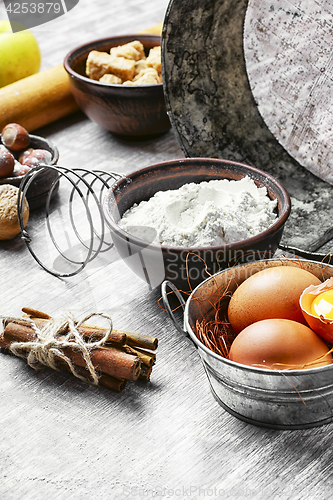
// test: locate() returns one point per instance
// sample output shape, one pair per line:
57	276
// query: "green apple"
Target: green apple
19	54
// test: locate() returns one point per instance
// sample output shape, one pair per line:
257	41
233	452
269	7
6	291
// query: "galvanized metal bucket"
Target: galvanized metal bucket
286	399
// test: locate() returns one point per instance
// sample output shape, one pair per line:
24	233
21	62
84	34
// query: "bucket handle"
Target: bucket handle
167	306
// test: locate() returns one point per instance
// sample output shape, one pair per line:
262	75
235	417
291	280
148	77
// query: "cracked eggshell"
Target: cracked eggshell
323	327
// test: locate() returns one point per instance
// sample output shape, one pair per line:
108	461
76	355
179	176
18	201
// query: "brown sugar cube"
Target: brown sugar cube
140	48
108	78
139	66
97	64
154	58
148	72
123	68
132	50
147	76
100	63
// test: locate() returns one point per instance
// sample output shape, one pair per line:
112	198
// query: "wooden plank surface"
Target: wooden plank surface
168	438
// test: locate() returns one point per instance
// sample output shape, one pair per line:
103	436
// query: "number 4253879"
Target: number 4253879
34	8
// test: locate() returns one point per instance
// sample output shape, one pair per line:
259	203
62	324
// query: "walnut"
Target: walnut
9	224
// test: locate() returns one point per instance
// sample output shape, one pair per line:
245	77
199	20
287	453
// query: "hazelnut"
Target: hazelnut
15	137
9	224
37	157
20	170
25	153
7	162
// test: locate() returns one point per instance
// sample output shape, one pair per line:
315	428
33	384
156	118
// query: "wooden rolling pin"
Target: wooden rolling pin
42	98
37	100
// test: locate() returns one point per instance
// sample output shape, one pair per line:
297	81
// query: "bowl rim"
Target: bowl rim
277	224
82	47
234	364
55	156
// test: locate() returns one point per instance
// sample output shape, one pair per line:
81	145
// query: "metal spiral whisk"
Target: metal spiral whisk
75	227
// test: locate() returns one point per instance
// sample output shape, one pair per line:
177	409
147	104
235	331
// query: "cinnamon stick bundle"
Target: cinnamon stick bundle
87	331
92	331
113	383
124	356
111	361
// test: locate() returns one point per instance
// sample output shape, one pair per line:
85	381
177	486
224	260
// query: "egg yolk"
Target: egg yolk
323	305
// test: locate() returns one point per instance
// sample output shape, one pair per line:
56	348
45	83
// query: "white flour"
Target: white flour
210	213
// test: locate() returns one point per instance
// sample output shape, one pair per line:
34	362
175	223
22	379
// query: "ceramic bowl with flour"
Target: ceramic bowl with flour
184	219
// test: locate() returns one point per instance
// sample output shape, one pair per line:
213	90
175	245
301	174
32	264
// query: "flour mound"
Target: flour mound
206	214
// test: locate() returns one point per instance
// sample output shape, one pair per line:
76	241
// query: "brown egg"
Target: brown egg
279	344
271	293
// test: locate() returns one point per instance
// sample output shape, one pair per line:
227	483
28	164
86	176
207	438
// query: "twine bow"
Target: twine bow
57	334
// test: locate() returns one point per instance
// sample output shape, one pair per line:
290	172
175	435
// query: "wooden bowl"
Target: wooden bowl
38	190
153	262
124	110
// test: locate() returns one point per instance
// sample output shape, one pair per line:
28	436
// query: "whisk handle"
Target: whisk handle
165	297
